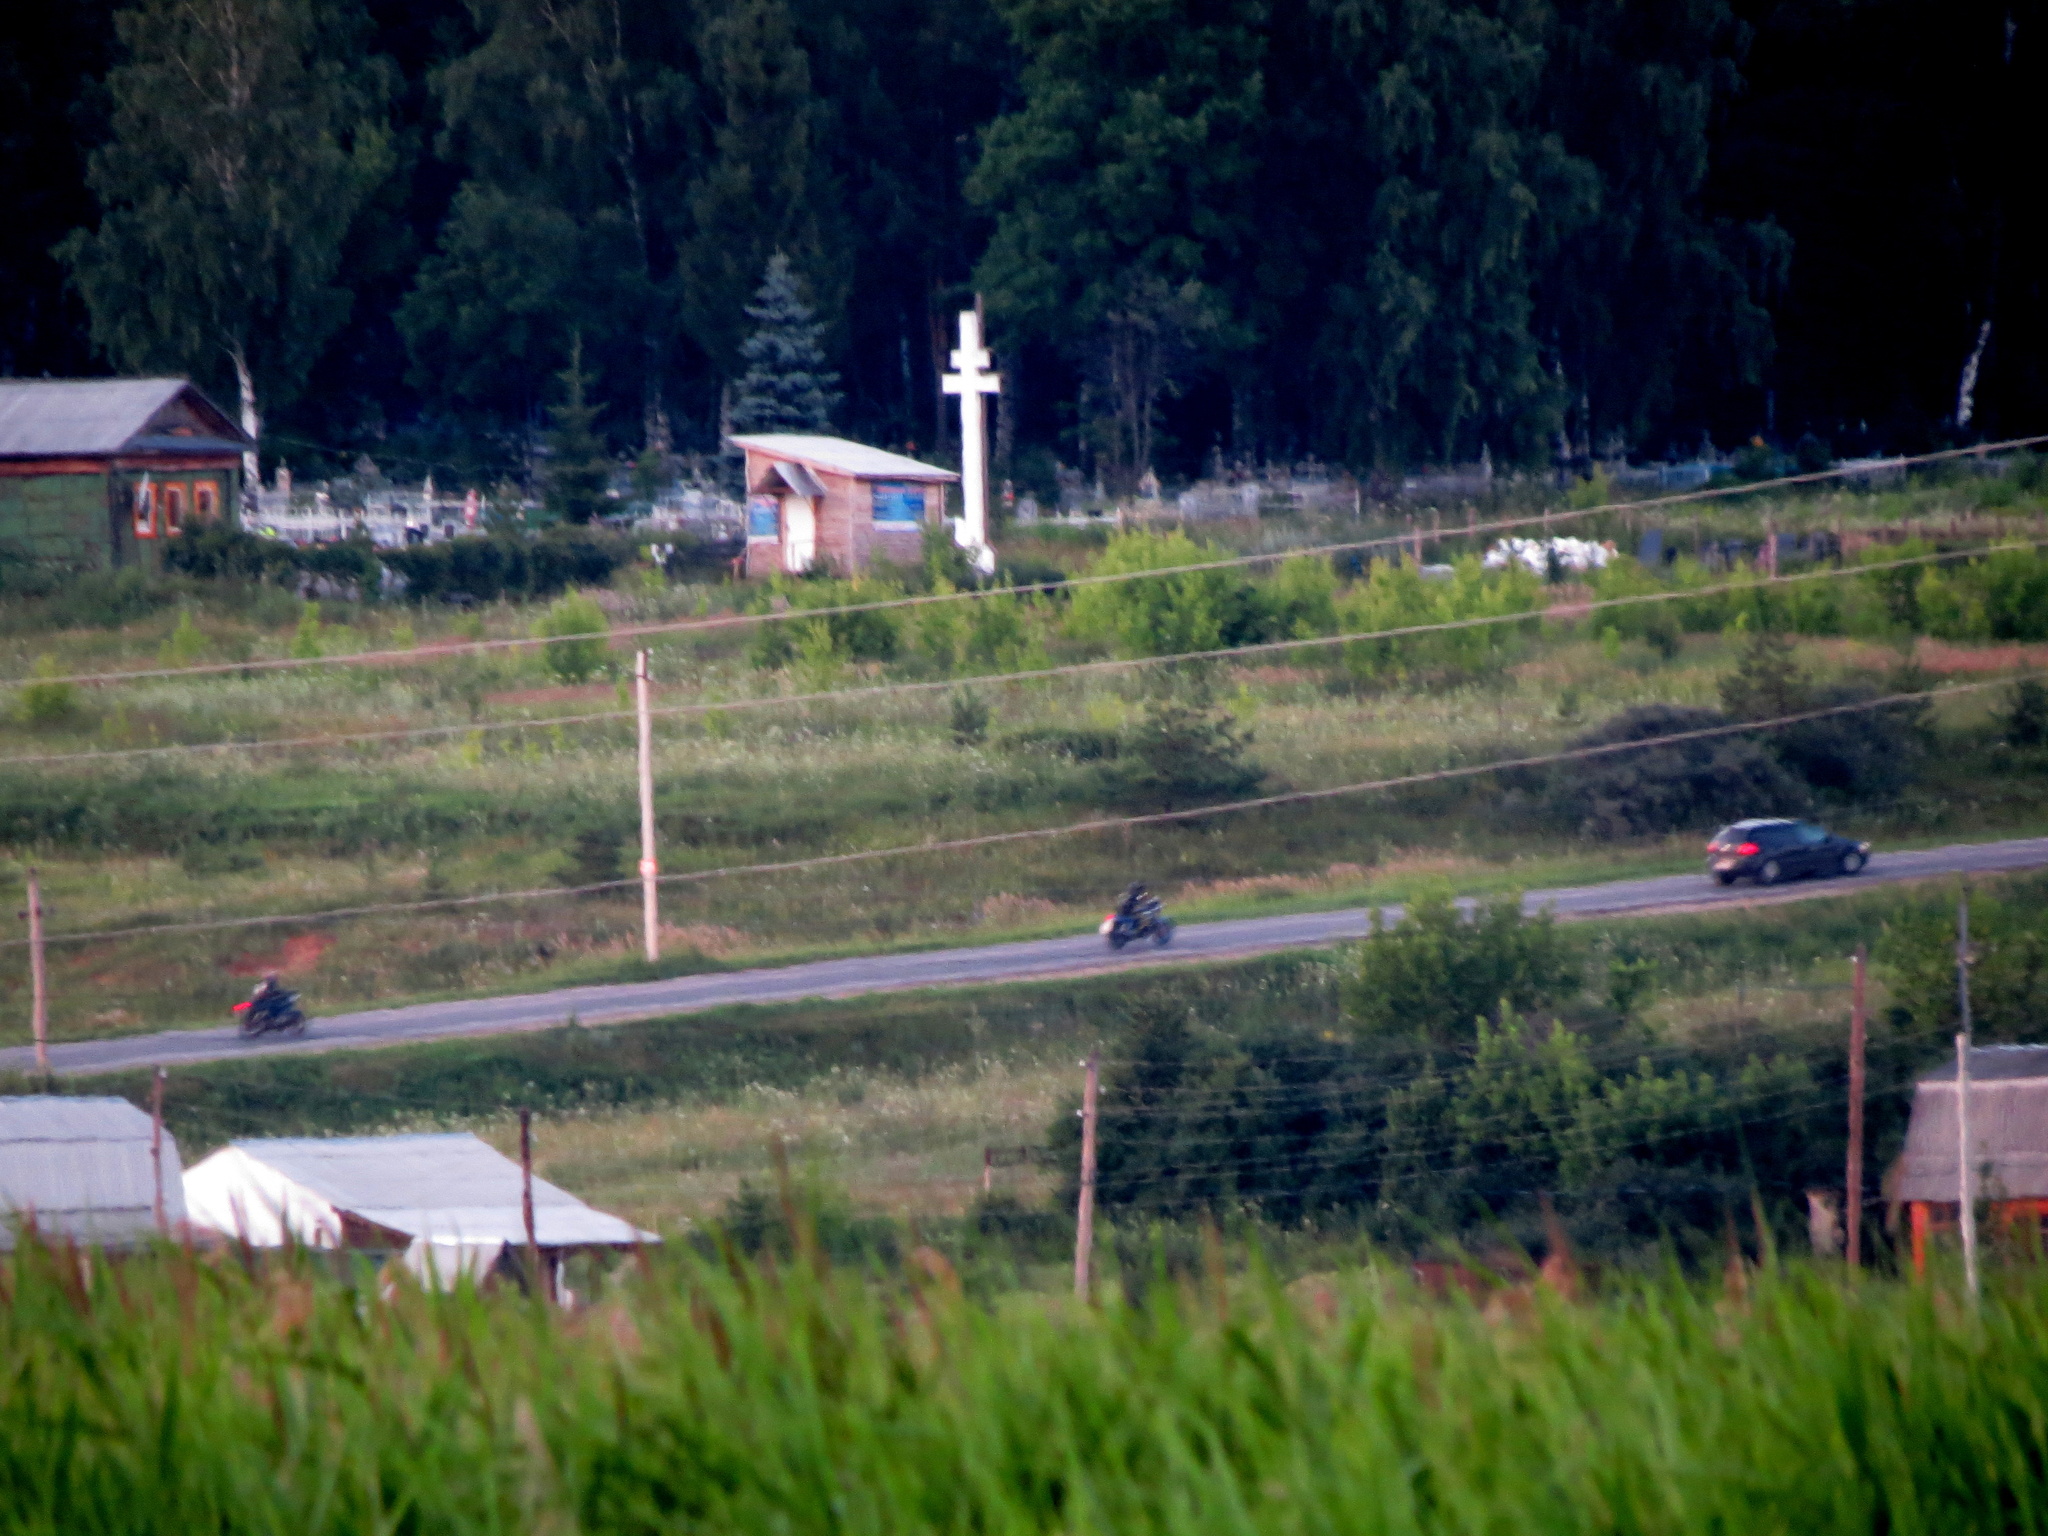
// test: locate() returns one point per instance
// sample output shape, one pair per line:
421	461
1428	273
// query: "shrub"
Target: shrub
1183	755
596	856
219	551
185	645
575	628
2026	721
47	704
1434	974
1191	611
969	718
306	638
2008	970
1674	787
1396	597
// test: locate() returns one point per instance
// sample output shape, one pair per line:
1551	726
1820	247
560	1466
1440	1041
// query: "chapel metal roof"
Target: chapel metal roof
840	456
443	1187
48	417
80	1168
2008	1127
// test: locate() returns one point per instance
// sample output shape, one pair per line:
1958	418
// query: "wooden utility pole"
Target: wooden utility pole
650	913
1857	1041
526	1202
1084	1227
156	1144
38	976
1966	1194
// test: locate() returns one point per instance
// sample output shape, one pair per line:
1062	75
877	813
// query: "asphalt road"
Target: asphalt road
1038	958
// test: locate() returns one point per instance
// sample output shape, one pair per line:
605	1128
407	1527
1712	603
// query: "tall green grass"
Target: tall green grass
179	1394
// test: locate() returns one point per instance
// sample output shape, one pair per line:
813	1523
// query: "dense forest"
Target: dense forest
1379	232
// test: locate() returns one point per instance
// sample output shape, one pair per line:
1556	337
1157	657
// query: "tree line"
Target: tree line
1380	232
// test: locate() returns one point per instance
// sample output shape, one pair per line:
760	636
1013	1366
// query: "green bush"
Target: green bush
1433	975
1180	755
2008	971
46	704
575	628
1674	787
1167	615
1397	597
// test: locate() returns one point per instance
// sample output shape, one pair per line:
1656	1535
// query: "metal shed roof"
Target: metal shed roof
445	1187
2008	1127
81	1168
46	417
839	456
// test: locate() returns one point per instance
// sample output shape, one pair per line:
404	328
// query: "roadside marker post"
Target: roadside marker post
1084	1227
650	870
38	976
1858	1039
1966	1195
156	1143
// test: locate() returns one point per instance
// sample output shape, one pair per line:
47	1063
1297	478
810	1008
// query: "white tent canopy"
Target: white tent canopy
447	1191
81	1168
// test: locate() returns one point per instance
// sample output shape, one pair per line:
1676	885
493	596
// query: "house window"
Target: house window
145	510
173	509
205	501
899	506
764	517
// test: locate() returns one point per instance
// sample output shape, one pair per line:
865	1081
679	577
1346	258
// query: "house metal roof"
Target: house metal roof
839	456
2008	1127
50	417
81	1168
442	1188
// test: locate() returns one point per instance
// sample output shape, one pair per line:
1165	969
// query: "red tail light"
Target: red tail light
241	1007
1746	849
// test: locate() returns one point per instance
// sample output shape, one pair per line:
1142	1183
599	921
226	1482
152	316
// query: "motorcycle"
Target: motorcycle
1147	922
277	1014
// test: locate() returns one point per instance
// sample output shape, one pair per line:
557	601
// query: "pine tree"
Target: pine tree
787	387
579	472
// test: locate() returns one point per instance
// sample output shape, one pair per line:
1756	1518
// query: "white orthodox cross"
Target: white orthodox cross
970	383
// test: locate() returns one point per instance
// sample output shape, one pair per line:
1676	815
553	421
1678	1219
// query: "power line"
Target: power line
727	621
1034	834
1039	674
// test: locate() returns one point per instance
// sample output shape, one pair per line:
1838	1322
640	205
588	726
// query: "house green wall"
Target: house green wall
64	520
85	522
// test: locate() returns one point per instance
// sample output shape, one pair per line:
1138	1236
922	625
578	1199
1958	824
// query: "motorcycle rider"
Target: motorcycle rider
268	996
1138	903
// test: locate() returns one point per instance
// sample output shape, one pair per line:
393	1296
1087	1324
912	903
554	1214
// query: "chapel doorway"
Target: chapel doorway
799	535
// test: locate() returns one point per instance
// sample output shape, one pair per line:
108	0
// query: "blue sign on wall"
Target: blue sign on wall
902	505
764	517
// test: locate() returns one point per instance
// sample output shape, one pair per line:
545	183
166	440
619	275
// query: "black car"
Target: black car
1773	849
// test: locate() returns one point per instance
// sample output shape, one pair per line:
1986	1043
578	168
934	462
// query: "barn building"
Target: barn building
98	473
448	1204
823	503
2009	1130
90	1170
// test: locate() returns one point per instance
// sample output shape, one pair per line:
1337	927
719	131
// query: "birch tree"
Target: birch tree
247	136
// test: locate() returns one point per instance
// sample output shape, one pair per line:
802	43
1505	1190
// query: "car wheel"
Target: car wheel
1853	862
1770	873
1725	876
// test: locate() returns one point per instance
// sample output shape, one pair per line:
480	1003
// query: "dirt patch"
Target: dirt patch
1942	658
299	953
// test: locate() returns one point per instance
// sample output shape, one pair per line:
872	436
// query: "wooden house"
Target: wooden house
823	503
2009	1135
97	473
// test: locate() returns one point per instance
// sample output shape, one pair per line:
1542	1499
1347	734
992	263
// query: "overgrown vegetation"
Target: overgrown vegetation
178	1391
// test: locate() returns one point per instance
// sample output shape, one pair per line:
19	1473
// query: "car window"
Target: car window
1811	835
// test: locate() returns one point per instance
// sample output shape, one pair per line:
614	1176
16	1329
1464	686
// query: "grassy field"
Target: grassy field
180	1393
143	842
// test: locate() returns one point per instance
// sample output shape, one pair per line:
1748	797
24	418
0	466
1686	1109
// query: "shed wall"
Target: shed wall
58	519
